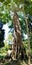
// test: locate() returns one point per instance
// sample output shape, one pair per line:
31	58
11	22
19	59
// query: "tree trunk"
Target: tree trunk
28	41
18	45
17	34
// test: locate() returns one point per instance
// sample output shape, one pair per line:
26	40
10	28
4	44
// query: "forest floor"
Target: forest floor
4	61
11	62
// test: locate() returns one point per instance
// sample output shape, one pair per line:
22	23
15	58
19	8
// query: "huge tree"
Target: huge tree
15	6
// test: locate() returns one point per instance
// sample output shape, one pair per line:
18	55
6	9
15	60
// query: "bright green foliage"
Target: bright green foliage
13	5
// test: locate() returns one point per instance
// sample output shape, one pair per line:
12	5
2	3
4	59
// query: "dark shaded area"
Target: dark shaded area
1	34
30	26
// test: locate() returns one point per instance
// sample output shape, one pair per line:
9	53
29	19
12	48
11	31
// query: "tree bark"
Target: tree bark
28	41
17	34
18	45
